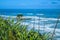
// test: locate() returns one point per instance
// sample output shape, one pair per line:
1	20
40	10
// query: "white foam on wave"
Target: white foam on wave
47	26
33	17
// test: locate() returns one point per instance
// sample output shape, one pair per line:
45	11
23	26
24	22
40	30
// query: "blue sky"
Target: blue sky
29	4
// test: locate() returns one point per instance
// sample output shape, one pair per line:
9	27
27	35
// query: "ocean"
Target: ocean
45	18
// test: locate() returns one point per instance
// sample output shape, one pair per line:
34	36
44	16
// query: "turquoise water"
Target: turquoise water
47	12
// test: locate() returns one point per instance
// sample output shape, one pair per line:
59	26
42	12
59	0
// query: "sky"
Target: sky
29	4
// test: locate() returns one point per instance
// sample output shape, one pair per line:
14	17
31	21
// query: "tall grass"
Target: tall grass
11	30
55	28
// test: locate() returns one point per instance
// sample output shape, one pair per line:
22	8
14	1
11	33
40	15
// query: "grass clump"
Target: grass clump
11	30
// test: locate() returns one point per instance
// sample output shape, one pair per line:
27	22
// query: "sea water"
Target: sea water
43	18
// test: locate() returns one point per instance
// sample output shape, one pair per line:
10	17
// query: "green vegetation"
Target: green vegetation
11	30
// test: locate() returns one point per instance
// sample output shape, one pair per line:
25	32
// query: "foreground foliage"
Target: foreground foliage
11	30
